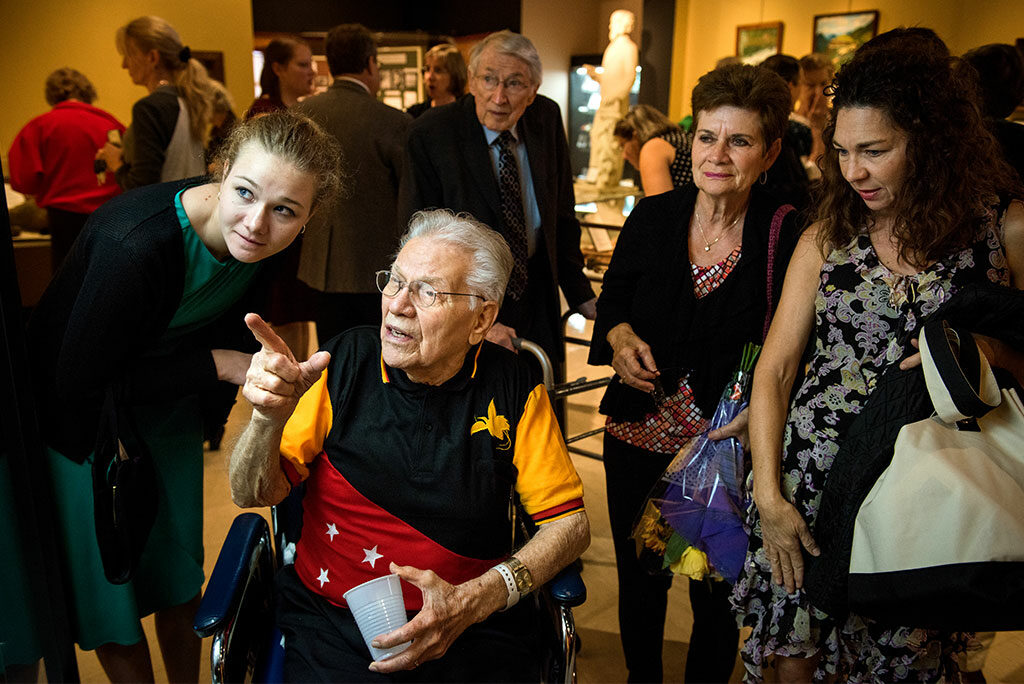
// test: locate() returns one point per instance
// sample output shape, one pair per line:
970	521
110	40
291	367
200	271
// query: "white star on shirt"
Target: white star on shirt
332	530
323	578
371	556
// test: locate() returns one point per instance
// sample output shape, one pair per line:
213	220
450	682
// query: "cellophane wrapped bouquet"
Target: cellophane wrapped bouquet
692	521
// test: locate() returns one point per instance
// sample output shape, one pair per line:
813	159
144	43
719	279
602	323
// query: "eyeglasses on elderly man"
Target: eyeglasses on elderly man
423	295
513	85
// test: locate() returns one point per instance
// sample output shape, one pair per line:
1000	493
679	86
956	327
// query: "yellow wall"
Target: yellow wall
559	30
43	35
709	31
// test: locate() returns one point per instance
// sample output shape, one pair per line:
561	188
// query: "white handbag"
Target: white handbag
939	539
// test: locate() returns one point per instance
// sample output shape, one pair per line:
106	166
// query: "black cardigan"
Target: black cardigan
649	285
102	317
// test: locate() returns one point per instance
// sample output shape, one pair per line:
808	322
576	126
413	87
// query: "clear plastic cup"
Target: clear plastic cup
378	608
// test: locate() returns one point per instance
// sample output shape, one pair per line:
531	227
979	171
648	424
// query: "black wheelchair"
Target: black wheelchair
237	607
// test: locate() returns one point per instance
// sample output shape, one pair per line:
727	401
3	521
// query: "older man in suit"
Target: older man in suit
345	245
500	153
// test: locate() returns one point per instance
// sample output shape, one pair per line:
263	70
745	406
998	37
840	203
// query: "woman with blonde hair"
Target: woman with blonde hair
656	147
167	136
148	309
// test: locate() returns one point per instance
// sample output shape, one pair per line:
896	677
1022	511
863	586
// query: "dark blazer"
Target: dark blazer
344	245
649	285
448	165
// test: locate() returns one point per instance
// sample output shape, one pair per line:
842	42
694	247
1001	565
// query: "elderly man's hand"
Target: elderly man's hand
447	611
276	380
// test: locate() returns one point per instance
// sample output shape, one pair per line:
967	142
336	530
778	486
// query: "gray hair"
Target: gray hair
491	258
512	45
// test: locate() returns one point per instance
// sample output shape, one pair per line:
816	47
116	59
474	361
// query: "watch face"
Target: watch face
523	577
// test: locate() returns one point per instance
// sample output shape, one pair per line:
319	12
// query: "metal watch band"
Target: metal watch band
510	584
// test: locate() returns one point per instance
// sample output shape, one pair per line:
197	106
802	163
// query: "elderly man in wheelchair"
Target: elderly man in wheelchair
417	443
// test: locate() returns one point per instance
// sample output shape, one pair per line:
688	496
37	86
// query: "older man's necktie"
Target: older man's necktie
512	211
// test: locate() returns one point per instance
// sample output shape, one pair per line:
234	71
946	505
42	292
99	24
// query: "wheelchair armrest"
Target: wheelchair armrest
567	587
248	537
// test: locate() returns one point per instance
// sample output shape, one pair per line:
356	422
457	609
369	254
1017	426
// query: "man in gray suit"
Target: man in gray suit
343	247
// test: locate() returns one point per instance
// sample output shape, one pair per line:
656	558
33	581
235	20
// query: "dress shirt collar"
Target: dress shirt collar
352	79
491	136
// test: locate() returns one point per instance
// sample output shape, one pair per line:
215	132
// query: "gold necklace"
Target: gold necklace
700	227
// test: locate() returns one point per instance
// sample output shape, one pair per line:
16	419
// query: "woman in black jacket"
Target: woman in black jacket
691	281
149	307
170	126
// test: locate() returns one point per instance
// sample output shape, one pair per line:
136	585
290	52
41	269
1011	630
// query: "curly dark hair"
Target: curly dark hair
954	168
1001	78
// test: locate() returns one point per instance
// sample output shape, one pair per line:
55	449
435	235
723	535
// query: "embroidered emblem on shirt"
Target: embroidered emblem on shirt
495	424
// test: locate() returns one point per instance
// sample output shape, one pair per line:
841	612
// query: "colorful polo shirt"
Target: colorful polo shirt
420	475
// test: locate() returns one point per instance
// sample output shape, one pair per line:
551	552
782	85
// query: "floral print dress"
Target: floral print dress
865	317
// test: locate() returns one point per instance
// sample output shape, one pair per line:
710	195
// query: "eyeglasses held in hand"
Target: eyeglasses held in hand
423	295
513	85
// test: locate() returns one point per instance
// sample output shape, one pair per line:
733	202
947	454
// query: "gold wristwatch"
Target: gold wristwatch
518	580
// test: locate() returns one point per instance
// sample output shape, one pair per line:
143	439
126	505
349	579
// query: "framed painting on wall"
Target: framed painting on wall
213	60
839	35
757	42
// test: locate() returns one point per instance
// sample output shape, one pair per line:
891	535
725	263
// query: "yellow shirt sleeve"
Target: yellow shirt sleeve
306	430
549	486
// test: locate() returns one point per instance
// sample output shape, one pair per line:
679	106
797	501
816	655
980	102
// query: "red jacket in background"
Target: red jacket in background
52	157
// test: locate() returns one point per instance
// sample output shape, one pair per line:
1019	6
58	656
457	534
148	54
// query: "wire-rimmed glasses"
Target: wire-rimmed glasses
423	295
514	85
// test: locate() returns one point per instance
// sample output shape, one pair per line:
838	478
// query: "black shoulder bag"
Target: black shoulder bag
124	488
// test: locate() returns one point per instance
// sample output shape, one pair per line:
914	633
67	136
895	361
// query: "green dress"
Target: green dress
19	638
171	569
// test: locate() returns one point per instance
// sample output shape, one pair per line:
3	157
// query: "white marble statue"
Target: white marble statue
616	76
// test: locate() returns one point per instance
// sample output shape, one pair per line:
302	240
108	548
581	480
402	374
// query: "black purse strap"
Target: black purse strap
961	385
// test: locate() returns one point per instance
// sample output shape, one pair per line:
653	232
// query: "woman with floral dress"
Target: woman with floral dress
909	213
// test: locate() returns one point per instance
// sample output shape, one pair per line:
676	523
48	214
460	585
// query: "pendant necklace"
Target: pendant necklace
700	227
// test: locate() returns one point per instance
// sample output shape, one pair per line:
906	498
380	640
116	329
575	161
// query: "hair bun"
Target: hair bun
185	54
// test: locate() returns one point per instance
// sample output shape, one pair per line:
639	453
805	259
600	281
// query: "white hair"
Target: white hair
512	45
490	256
